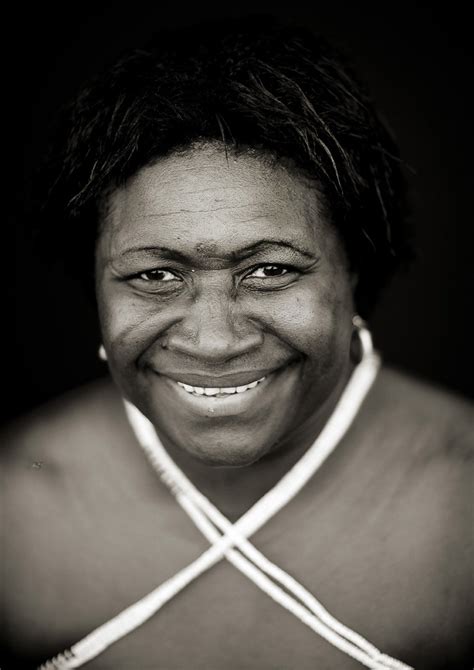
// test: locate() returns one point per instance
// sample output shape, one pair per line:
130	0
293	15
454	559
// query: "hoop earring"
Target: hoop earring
364	336
102	353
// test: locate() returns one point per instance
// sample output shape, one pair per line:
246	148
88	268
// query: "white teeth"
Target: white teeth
214	391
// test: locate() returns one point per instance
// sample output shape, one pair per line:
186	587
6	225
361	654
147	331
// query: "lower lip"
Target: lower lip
232	405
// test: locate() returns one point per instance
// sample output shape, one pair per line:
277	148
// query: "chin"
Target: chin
222	455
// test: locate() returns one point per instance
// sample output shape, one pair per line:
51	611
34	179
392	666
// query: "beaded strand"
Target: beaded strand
233	543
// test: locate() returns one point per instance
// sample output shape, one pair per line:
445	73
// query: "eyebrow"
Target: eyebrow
237	255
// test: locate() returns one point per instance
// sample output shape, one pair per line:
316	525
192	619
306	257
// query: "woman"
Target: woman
252	490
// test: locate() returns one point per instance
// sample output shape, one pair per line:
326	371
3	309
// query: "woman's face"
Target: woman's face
213	274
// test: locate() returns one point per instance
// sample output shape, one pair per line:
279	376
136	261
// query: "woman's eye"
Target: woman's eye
269	271
157	276
155	281
271	276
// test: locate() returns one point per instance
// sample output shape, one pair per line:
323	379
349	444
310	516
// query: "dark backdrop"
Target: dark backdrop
418	62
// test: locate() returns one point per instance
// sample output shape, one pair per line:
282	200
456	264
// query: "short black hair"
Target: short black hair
252	83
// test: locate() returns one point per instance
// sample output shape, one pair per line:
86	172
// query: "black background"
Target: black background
418	61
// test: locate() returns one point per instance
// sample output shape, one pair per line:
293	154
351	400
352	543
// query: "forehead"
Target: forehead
207	202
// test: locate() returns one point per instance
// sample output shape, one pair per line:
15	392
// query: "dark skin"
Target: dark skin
382	535
91	529
216	268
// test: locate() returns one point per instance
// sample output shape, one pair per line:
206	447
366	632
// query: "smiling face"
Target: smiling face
214	274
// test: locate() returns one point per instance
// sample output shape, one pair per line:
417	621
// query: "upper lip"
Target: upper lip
220	381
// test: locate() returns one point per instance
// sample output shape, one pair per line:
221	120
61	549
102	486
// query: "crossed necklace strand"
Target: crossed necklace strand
230	541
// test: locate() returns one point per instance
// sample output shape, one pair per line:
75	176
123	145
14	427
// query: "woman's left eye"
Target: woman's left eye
269	271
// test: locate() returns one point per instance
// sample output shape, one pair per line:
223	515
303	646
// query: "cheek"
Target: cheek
129	324
316	318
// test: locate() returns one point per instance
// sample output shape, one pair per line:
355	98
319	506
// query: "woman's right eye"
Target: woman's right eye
155	281
157	275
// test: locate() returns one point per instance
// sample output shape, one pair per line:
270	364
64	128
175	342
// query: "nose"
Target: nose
214	330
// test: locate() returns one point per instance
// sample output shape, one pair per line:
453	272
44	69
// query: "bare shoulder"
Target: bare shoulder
430	471
58	448
73	480
439	420
432	433
47	435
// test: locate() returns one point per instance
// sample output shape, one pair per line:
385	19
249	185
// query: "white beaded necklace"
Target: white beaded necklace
232	542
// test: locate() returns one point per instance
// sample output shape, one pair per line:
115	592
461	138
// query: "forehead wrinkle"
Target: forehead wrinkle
288	199
169	175
189	179
213	188
206	210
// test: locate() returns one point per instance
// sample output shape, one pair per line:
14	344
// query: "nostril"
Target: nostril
212	331
212	347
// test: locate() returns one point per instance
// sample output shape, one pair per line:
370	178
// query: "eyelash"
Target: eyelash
281	266
287	270
140	275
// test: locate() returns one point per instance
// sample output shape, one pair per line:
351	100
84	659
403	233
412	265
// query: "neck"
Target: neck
235	489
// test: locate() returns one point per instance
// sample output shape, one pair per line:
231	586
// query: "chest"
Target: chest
92	563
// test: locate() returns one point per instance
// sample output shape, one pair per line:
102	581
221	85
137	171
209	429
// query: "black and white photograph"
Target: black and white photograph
237	415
